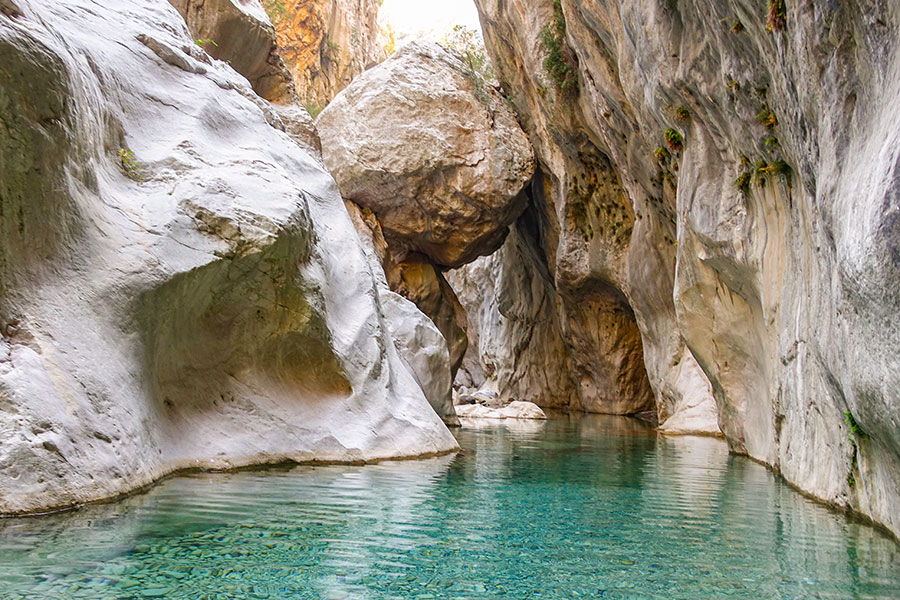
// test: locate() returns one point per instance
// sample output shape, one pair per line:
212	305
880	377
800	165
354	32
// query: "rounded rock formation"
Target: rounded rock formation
433	150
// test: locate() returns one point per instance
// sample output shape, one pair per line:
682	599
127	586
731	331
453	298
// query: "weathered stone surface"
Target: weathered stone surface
425	285
514	410
239	32
421	344
326	43
180	284
442	170
516	346
783	291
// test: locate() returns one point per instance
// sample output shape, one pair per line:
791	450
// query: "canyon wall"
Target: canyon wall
729	173
180	283
326	43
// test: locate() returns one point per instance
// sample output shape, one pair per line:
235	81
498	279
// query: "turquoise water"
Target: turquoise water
593	507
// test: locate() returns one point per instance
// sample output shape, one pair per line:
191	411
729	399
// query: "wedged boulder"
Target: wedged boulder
240	33
180	284
437	155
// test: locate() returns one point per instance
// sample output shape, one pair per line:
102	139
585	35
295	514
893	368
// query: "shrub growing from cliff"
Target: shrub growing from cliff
129	165
466	44
777	19
674	140
559	64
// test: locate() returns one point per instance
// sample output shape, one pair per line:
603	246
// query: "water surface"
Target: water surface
593	507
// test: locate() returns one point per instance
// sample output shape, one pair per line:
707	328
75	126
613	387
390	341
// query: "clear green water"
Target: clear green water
575	508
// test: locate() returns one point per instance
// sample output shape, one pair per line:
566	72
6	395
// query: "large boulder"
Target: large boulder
180	284
436	153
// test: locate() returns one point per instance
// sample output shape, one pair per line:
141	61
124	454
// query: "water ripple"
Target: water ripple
575	508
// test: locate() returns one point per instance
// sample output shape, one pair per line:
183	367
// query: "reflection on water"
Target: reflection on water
593	507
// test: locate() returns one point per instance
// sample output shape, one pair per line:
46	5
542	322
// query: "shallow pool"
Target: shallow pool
592	507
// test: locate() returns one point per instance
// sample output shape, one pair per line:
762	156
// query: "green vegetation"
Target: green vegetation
766	117
558	63
674	140
771	142
466	44
275	9
737	28
313	109
201	43
330	50
777	19
682	113
129	165
856	431
742	183
759	173
763	170
662	155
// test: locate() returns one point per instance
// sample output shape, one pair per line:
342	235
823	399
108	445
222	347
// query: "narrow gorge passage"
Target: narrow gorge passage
356	299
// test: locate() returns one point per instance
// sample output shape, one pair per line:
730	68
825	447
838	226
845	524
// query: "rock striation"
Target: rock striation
516	347
180	283
729	170
326	43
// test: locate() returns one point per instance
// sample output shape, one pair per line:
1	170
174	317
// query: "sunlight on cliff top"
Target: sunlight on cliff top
415	19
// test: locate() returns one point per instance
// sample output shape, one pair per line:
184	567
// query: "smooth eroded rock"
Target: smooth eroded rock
180	284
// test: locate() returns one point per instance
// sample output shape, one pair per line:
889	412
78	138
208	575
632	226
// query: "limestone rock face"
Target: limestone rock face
239	31
442	170
180	284
326	43
516	344
741	178
421	344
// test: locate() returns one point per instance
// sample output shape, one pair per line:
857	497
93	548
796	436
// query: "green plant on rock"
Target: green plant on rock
777	19
766	117
558	63
763	170
466	44
737	28
129	165
202	43
662	155
275	9
772	142
674	140
742	183
682	113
